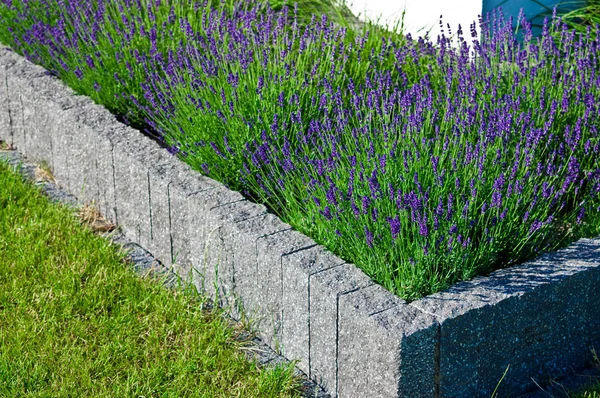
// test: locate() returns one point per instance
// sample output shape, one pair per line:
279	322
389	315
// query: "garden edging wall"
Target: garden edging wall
354	337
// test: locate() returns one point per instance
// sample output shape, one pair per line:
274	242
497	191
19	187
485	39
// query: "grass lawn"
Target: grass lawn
594	393
75	320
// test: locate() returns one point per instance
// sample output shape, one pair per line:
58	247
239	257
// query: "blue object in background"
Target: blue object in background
535	10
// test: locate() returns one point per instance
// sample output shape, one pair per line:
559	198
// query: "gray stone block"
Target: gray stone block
326	287
163	174
187	223
228	216
47	109
207	255
81	159
38	108
133	157
5	117
181	229
297	270
83	124
160	221
172	185
269	251
15	110
40	126
19	80
237	211
205	240
552	323
240	238
464	320
206	250
105	179
61	164
385	347
132	194
536	312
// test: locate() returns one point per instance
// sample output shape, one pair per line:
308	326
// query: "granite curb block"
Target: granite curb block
144	263
353	337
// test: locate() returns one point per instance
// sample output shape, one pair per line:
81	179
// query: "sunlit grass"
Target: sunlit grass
77	321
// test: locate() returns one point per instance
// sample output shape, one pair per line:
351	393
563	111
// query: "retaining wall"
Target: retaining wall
542	318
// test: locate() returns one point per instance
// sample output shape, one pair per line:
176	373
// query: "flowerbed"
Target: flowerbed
420	163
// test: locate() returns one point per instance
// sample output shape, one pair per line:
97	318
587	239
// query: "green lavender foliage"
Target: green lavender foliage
584	19
422	163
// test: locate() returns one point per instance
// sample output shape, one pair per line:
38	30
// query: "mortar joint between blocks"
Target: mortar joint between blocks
337	335
149	205
170	222
248	218
310	275
437	361
382	311
23	122
299	250
10	119
226	204
271	234
114	181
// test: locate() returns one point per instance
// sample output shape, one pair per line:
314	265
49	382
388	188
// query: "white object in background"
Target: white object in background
421	16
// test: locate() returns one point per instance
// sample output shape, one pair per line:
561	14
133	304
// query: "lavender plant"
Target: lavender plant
584	18
422	163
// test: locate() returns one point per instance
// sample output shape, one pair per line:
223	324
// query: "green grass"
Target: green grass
592	391
75	320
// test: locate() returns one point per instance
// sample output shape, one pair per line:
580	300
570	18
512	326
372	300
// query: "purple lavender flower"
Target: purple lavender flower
580	215
355	209
217	150
394	226
369	237
450	208
90	62
535	226
331	195
374	184
423	227
368	130
374	214
366	201
326	212
496	201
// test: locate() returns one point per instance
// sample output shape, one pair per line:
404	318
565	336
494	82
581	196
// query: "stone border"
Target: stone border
355	338
145	264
